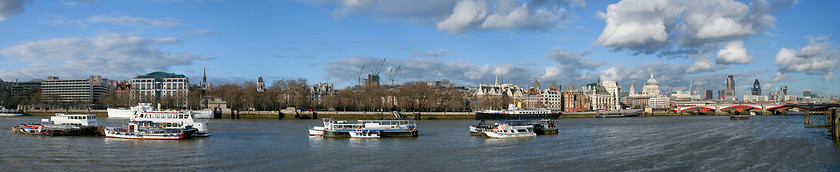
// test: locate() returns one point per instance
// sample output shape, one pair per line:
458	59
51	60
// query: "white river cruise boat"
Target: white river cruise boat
128	113
510	131
148	130
382	128
175	120
61	125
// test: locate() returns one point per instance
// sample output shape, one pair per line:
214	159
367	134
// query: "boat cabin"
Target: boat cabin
74	119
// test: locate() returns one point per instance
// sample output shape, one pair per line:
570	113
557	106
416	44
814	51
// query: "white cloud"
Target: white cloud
425	69
134	21
465	14
701	65
684	27
734	53
10	8
815	59
639	24
107	54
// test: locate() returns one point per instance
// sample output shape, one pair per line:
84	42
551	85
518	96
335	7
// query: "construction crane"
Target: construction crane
359	77
391	74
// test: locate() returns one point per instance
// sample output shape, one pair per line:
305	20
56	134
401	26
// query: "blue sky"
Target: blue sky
469	42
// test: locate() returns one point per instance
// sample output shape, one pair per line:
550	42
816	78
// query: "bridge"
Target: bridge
744	107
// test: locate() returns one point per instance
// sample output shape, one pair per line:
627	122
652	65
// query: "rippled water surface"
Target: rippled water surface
692	143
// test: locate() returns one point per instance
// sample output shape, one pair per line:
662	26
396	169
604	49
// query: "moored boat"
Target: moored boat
510	131
364	134
512	112
148	130
10	112
739	117
316	131
546	126
61	125
384	128
128	113
176	120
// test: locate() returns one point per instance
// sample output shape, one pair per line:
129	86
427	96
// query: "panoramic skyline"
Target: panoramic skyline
469	42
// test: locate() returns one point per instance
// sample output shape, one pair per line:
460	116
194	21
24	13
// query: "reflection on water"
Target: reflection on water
700	143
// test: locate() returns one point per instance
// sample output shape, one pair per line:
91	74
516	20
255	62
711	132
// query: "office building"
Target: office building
153	86
74	90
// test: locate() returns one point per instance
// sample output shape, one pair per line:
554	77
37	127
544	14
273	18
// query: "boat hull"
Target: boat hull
494	116
739	117
145	136
314	132
509	135
384	133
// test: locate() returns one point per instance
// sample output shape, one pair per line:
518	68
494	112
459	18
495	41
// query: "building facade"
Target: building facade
153	86
74	90
552	99
729	91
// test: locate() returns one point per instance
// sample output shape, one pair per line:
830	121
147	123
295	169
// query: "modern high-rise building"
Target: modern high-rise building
153	86
756	89
74	90
710	95
537	85
806	93
729	91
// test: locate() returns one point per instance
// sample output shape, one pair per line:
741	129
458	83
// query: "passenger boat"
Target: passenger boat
128	113
10	112
546	126
364	134
384	128
316	131
175	120
148	130
478	129
515	113
510	131
61	125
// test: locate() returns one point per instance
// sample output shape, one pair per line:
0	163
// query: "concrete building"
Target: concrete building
152	86
260	85
441	83
74	90
552	99
729	91
318	91
613	89
756	98
659	102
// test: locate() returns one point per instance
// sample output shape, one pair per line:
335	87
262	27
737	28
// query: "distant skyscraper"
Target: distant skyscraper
729	91
806	93
784	90
710	94
537	85
756	89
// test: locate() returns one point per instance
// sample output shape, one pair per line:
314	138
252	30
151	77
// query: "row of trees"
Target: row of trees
411	96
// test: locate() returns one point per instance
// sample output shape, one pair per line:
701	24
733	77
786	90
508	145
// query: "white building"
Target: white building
614	90
74	90
552	99
159	84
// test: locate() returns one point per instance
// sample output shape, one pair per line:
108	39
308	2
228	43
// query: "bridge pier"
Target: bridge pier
835	124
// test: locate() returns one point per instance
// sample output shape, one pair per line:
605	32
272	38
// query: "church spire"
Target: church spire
651	75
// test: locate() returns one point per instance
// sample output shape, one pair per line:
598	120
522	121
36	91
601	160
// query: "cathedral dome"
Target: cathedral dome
651	81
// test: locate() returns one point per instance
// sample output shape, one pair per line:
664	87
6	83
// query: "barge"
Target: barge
61	125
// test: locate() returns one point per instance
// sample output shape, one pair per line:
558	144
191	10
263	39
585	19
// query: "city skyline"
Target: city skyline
468	41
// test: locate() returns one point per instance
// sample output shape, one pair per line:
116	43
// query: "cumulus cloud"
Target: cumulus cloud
640	25
734	53
421	53
464	15
658	26
818	58
134	21
701	65
107	54
10	8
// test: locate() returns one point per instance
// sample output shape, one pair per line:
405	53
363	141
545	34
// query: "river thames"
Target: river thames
685	143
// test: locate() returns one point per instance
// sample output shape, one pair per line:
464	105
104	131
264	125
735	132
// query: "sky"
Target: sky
683	43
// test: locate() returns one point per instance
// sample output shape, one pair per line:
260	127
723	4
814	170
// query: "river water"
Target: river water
686	143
